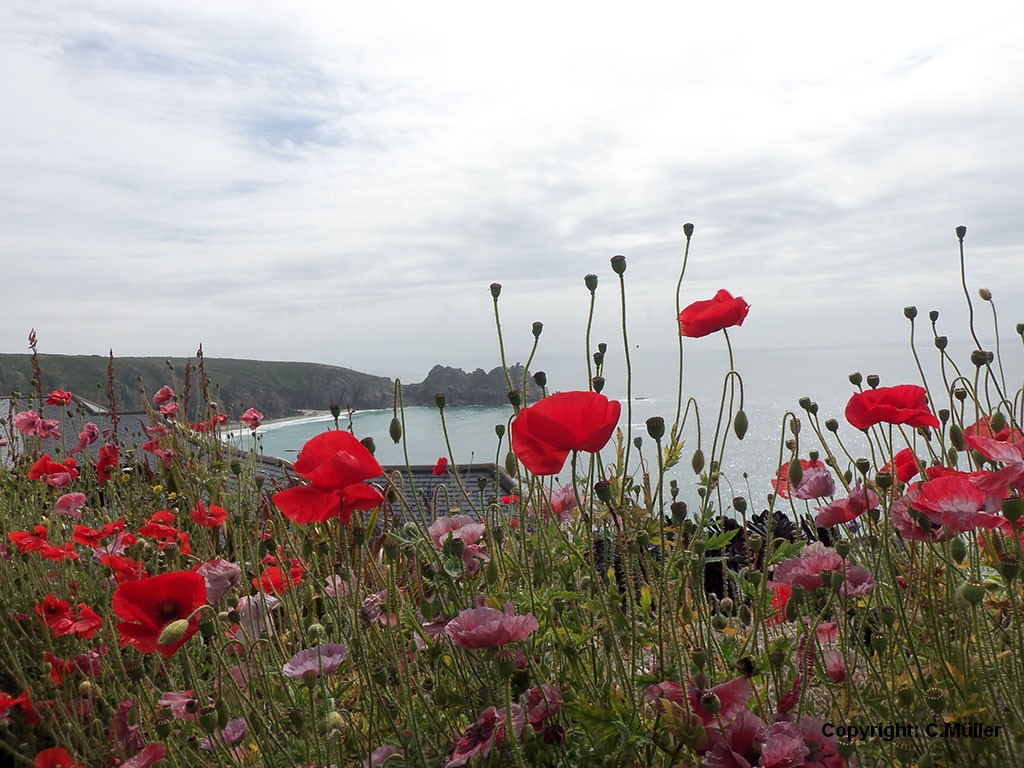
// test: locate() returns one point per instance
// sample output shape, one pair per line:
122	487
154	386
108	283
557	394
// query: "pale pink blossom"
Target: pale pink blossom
70	505
221	576
484	735
806	569
488	627
252	419
32	424
311	663
163	395
86	437
170	409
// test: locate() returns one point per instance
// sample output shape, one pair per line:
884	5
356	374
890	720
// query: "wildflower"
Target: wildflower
252	419
983	428
255	611
29	542
275	580
163	395
835	665
839	511
383	755
109	460
146	606
544	433
731	697
59	397
209	518
124	568
314	662
542	703
221	577
150	755
88	663
56	757
70	505
92	537
337	466
907	465
902	404
170	409
511	498
462	527
86	437
859	581
736	745
782	744
488	627
806	569
702	318
441	467
559	504
32	424
484	735
55	474
123	732
953	501
231	734
63	620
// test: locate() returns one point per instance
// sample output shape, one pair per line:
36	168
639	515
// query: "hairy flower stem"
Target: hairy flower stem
679	286
590	323
501	349
629	390
510	733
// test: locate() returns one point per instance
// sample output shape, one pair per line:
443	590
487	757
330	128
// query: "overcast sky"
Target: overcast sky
340	182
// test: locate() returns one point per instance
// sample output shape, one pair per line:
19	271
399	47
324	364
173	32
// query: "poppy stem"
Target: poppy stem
629	391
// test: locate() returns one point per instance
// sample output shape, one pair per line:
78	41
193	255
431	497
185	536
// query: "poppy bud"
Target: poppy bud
358	535
699	658
719	622
796	472
591	282
540	379
537	328
910	312
259	478
499	430
173	632
856	378
956	437
515	398
998	422
805	402
1020	329
618	264
505	662
395	430
491	572
961	232
813	455
1013	509
688	230
638	442
335	410
985	294
369	444
740	424
673	489
440	400
872	380
960	394
832	425
603	489
933	316
698	461
656	427
598	382
794	426
879	642
511	465
495	290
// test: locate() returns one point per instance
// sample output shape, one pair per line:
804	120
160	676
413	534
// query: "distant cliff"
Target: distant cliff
277	389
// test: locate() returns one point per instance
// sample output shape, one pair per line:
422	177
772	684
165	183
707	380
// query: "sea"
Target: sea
774	381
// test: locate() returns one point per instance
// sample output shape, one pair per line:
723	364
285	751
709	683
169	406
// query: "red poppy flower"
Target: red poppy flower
859	501
442	466
902	404
59	397
29	542
983	428
337	466
209	518
56	757
163	395
781	480
545	433
275	580
109	460
907	465
953	501
57	474
146	606
63	620
705	317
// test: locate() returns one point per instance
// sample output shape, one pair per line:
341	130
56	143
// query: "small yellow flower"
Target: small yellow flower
158	488
172	496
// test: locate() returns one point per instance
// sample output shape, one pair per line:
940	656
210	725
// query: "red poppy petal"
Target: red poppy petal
308	504
336	459
536	455
360	496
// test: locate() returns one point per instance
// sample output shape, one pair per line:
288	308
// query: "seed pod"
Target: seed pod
688	230
591	282
618	264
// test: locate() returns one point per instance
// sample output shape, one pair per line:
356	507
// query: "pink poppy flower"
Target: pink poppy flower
782	744
32	424
543	703
70	505
806	569
738	746
859	581
952	501
383	755
461	527
252	419
487	733
86	437
559	504
231	734
816	483
835	665
488	627
163	395
905	519
839	511
314	662
221	577
150	755
170	409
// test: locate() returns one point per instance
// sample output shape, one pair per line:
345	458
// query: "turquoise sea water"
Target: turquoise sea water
774	381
